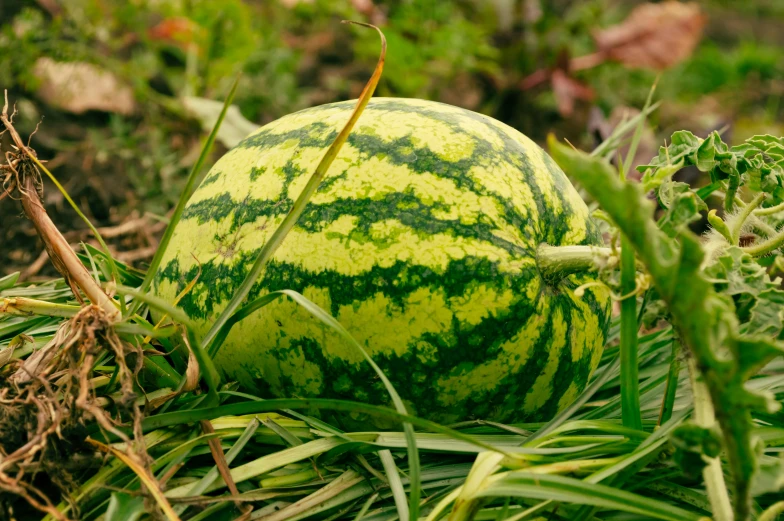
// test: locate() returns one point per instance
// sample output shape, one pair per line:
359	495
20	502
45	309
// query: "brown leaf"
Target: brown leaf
177	30
77	87
566	90
654	36
293	3
363	6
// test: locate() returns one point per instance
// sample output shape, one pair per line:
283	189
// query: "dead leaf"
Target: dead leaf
177	30
363	6
235	127
567	89
293	3
51	6
653	36
78	87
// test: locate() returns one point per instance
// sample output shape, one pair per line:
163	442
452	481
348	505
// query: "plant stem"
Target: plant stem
556	262
744	214
770	210
21	306
61	254
668	401
675	269
773	512
630	392
704	416
762	227
757	250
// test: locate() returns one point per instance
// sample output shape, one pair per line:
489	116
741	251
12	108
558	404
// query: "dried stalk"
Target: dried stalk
25	177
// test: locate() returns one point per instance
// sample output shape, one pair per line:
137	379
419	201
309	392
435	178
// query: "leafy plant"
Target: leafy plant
715	291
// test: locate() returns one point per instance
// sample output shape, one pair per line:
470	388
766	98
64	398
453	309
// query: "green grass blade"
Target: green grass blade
204	483
581	400
366	507
265	464
185	195
413	454
8	281
395	484
175	313
243	312
25	307
570	490
630	389
206	365
256	407
299	206
668	401
646	449
614	139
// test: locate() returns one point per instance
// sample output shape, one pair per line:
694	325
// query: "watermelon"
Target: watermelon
421	241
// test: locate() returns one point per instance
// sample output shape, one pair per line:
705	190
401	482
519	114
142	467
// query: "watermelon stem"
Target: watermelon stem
763	248
557	262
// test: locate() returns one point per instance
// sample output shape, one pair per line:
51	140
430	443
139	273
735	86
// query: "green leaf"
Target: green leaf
683	207
706	190
704	159
735	272
766	142
654	177
767	314
770	478
124	507
684	140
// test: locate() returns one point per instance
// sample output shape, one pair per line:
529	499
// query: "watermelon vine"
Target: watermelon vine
728	311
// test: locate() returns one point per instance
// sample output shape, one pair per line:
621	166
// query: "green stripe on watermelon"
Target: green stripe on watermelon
421	241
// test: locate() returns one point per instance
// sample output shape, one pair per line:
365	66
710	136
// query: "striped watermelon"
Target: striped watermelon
421	241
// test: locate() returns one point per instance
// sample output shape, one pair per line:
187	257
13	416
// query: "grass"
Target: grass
291	465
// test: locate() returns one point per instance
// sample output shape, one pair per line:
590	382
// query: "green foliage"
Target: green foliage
727	344
430	43
757	163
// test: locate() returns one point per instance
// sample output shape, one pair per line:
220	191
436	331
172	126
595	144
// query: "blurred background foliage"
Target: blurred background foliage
123	86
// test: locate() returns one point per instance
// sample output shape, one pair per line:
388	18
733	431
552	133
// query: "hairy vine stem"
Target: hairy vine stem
744	214
557	262
763	248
